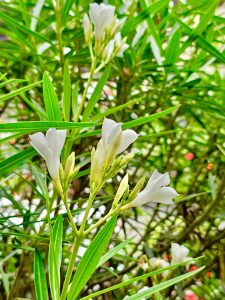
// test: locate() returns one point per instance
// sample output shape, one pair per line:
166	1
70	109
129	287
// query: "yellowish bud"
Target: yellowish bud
121	190
69	166
137	189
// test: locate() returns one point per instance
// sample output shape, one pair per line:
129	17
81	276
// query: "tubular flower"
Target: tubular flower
101	15
49	147
114	141
156	190
179	253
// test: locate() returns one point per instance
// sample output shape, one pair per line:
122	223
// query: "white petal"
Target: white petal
164	195
112	138
86	24
55	140
157	180
141	199
94	13
107	127
38	142
128	137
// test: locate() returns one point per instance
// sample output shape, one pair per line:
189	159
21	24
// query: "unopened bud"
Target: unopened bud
137	189
87	28
121	190
69	166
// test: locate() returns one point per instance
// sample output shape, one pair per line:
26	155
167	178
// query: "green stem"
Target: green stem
70	216
52	244
72	261
110	213
92	71
59	33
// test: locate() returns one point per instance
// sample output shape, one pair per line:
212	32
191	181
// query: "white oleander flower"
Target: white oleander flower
49	147
101	15
156	190
179	253
114	141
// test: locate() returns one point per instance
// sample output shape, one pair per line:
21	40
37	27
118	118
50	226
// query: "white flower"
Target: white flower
101	15
156	190
158	263
179	253
114	141
49	147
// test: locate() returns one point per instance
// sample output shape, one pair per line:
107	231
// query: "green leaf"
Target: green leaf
137	122
113	251
138	278
204	44
97	93
91	257
39	278
150	291
13	22
16	160
18	91
66	92
55	257
65	11
115	109
132	23
51	100
41	126
75	100
172	50
143	120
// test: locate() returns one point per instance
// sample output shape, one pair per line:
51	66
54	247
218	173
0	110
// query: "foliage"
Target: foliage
168	86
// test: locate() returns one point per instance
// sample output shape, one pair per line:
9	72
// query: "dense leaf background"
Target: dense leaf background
175	59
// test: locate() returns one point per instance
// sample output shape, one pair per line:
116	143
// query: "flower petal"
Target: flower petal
94	13
164	195
157	180
110	131
55	140
39	143
128	137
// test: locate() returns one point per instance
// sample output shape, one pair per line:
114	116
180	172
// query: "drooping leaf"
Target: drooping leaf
91	257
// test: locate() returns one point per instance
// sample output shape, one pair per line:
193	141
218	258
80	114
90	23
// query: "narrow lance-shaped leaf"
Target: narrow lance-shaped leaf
66	92
91	257
55	257
18	91
172	50
96	94
150	291
16	160
41	126
40	278
51	100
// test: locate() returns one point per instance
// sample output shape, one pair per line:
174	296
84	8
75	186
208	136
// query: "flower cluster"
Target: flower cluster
107	36
113	142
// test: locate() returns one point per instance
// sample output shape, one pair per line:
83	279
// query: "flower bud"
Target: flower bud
137	188
121	190
87	28
69	166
